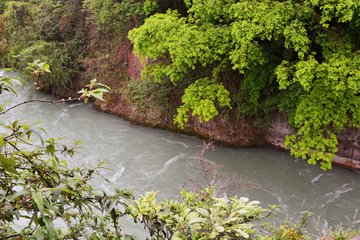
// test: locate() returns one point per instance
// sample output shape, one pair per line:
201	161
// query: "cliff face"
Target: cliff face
221	131
348	154
235	133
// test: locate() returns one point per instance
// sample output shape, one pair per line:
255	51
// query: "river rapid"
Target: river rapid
151	159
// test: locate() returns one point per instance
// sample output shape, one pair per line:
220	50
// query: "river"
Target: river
151	159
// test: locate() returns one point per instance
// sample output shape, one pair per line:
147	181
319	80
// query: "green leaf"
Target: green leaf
38	199
56	194
38	237
12	90
100	90
36	123
113	215
18	194
103	85
61	209
244	234
45	66
97	95
12	170
4	161
15	124
42	129
50	149
12	162
51	207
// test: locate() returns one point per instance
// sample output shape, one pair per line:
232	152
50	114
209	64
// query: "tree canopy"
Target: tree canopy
307	49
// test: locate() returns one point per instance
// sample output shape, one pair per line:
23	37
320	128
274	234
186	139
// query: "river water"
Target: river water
151	159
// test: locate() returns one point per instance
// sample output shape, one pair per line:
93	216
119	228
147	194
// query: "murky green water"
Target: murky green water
152	159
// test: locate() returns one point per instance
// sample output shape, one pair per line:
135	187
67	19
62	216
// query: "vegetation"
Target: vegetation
249	57
340	232
298	56
112	16
146	94
200	216
38	188
48	30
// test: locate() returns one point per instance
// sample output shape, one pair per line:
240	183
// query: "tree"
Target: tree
298	56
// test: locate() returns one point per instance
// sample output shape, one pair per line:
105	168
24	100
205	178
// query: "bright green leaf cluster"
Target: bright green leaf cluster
200	98
198	216
97	93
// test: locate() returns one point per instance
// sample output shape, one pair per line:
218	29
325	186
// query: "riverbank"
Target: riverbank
146	159
229	131
232	132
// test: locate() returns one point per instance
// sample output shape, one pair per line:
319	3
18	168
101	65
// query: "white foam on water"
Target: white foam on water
169	162
117	174
75	104
169	141
332	196
305	171
317	178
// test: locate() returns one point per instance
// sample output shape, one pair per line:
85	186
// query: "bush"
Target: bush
38	188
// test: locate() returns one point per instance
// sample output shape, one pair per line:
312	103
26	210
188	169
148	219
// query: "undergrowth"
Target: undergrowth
145	94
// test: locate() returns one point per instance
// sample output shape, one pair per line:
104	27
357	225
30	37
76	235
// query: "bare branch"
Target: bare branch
227	184
39	100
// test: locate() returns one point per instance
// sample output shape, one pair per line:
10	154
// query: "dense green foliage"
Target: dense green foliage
300	56
48	30
112	16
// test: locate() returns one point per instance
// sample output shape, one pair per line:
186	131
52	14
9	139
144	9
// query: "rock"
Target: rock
348	154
